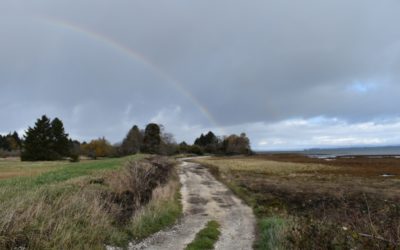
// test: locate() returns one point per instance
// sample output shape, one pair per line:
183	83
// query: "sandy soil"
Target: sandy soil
205	199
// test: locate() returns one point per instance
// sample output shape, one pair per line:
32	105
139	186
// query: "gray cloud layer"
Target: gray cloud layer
257	62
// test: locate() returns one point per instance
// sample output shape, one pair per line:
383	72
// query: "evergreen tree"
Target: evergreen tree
200	141
46	141
3	143
39	141
210	138
17	140
152	139
132	142
61	143
209	142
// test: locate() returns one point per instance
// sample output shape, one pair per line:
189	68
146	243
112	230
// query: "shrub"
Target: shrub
98	148
74	158
196	150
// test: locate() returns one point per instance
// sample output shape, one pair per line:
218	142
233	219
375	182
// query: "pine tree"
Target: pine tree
61	142
46	141
3	142
38	143
152	139
132	142
10	142
17	140
200	141
210	138
209	142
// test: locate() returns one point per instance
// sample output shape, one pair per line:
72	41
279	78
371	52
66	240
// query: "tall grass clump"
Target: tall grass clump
272	231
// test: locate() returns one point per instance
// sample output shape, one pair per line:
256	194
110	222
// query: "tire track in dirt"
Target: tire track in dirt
204	199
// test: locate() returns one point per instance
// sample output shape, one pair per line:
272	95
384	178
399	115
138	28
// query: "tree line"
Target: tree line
226	145
47	140
10	144
153	140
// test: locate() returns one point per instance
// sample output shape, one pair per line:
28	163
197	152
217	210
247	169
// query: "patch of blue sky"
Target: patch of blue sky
362	87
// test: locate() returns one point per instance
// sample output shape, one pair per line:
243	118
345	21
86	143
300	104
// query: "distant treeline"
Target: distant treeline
227	145
47	140
10	145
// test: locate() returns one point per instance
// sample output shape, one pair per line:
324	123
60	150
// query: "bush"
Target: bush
196	150
74	158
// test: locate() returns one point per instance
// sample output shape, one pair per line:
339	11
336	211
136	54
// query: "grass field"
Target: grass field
304	203
62	205
13	167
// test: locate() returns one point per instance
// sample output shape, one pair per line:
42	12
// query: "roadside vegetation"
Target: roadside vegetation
304	203
88	205
206	238
61	193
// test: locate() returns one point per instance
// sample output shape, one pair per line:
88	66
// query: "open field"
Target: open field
88	204
358	166
13	167
304	203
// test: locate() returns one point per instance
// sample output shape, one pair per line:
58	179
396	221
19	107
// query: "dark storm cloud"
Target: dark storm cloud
247	62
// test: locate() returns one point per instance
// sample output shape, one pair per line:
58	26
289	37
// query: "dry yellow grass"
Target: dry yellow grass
13	167
261	166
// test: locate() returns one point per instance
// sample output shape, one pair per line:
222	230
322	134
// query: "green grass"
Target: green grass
56	172
271	233
206	238
63	209
158	215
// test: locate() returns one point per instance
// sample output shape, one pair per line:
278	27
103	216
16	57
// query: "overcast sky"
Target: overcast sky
291	74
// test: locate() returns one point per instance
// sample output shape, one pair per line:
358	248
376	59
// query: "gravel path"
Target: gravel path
205	199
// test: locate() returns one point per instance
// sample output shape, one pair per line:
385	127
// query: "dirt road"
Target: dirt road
205	199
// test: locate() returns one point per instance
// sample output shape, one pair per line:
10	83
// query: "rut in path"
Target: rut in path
205	199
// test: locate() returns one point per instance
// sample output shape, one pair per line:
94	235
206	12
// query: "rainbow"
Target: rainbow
134	55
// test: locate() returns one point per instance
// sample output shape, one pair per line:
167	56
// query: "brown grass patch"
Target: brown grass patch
362	166
339	204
